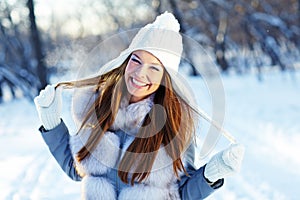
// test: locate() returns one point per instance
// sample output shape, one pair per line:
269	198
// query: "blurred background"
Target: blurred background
255	45
43	37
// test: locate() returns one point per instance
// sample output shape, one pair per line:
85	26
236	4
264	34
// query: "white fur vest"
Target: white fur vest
161	184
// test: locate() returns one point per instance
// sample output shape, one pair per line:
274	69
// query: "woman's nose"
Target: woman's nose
141	71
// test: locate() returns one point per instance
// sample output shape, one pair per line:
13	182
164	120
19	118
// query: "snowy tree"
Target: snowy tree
19	58
230	27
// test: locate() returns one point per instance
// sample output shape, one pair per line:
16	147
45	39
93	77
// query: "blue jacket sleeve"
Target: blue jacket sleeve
195	186
57	140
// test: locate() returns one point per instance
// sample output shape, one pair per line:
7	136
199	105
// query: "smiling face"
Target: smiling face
143	75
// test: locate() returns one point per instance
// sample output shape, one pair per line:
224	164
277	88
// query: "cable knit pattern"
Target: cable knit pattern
161	183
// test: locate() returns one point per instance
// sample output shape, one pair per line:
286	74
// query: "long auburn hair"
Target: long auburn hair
175	135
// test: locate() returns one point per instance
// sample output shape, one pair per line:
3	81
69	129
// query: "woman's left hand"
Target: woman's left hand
225	163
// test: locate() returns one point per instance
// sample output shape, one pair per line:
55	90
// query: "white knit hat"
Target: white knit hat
160	38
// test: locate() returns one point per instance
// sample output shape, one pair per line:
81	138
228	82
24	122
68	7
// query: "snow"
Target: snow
262	115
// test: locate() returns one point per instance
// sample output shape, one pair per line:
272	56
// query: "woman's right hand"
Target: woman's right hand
49	106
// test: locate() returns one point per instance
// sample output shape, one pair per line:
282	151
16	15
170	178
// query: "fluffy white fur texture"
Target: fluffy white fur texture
149	192
94	188
162	172
103	157
82	100
161	183
130	117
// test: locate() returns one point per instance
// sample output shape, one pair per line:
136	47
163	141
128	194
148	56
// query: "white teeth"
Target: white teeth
138	83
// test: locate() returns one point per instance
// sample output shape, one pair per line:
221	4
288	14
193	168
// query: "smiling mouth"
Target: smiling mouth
139	83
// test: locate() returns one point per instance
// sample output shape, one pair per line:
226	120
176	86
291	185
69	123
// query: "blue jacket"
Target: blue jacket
193	186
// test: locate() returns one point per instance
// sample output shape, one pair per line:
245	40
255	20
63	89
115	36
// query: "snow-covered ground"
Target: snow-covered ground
264	116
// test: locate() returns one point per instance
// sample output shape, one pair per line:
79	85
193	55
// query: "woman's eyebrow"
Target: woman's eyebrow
136	56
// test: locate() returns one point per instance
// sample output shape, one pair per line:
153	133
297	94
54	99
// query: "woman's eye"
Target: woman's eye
154	68
135	60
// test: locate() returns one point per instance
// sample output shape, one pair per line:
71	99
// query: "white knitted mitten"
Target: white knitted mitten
225	163
49	105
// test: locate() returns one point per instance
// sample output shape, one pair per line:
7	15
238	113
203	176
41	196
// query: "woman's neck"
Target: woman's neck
134	99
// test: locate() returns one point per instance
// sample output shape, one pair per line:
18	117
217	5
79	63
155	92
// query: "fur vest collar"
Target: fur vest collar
96	184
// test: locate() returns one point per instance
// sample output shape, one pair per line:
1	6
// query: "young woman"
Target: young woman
135	126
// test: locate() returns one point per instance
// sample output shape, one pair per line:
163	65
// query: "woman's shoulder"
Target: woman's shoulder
82	99
83	94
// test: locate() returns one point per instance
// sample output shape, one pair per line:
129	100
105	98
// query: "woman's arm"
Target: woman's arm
54	131
203	181
57	140
195	186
